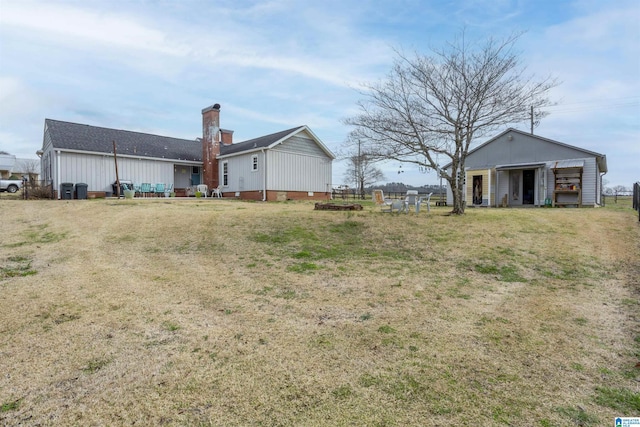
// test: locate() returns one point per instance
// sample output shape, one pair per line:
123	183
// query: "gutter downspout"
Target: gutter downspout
601	189
264	176
57	172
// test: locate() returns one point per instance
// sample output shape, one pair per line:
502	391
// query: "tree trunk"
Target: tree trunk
458	202
457	191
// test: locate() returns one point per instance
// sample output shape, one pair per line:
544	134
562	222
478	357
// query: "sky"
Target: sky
153	65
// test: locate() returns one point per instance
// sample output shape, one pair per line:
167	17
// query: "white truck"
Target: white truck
10	185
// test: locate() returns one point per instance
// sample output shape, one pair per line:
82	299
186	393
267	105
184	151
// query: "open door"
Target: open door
528	186
477	189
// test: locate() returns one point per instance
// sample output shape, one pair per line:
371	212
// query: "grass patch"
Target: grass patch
287	294
622	400
303	267
334	242
506	273
10	406
386	329
17	266
578	416
38	234
366	316
94	365
342	392
170	326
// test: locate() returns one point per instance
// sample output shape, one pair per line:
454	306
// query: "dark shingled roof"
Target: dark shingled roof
74	136
261	142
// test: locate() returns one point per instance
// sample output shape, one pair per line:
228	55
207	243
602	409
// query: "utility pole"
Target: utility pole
115	159
532	120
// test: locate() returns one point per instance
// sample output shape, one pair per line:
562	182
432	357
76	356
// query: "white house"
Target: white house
516	168
293	164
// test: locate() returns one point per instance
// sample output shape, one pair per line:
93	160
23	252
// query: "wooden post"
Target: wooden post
115	159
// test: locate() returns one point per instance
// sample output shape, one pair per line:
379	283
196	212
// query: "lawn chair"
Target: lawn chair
159	189
202	188
424	199
387	205
145	189
216	192
411	199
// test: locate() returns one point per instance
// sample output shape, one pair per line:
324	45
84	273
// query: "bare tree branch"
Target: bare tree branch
431	106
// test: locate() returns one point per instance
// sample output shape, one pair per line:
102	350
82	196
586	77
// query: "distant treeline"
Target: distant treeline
399	187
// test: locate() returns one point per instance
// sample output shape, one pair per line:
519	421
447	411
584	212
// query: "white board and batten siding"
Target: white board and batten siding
98	171
297	164
590	179
241	177
296	172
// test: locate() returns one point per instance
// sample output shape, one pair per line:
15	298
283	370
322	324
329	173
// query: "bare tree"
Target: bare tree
438	105
619	190
31	167
362	172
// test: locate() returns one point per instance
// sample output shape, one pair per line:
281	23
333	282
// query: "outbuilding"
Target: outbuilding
519	169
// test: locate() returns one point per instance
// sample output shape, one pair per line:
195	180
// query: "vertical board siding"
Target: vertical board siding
301	145
297	164
492	199
589	182
47	164
503	186
295	172
241	175
98	171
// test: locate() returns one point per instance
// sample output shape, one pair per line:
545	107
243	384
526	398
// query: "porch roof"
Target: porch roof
520	166
568	164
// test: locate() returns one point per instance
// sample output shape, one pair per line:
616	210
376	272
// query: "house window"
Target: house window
254	163
225	173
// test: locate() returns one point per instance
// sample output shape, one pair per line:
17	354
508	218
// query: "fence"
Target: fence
35	189
636	198
354	194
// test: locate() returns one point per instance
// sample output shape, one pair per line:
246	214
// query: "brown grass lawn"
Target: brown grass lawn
226	313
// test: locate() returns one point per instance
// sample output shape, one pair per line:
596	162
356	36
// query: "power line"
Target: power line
595	105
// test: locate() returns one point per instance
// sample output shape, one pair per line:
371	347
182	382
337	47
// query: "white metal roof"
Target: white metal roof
519	166
568	164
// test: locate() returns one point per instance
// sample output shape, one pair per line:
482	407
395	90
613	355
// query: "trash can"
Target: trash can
81	191
66	190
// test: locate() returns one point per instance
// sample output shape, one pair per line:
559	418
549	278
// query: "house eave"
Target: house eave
127	156
241	153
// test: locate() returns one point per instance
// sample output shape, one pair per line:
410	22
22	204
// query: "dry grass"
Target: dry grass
209	312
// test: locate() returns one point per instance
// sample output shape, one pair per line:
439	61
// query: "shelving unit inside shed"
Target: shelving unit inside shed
567	190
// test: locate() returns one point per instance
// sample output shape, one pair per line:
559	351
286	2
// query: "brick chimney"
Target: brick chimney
210	145
227	136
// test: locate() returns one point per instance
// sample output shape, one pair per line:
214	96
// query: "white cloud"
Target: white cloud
85	27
